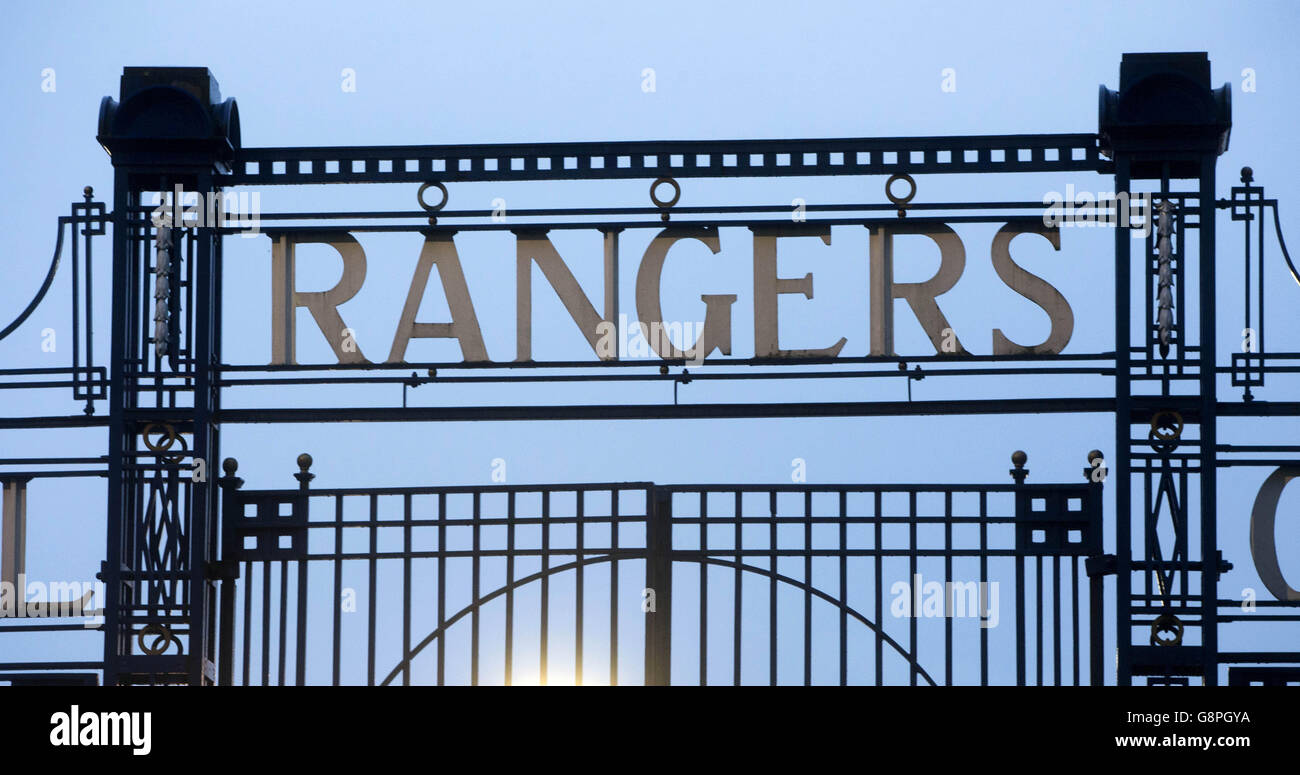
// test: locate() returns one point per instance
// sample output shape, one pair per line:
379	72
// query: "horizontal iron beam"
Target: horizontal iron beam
679	159
675	412
668	411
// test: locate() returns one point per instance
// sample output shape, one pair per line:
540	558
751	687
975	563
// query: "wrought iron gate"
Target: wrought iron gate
647	568
197	599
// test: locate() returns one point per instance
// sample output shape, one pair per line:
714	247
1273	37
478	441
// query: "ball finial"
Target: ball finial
1019	458
304	461
230	466
1247	175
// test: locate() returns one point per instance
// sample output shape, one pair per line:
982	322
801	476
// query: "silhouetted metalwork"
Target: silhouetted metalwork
656	539
214	584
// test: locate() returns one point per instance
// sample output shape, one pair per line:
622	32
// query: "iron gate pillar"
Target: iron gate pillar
170	129
1165	123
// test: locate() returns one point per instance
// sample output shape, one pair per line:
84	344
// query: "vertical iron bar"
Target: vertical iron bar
248	622
370	590
545	634
1038	619
475	567
77	298
300	655
613	587
1074	615
266	622
121	436
406	590
844	589
1123	430
771	601
442	582
1208	427
1259	338
1056	620
1020	619
807	592
704	587
337	604
984	585
947	587
580	528
739	583
912	645
284	620
510	587
880	613
659	579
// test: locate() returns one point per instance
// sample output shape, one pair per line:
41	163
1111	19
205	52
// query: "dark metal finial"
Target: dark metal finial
303	476
1093	457
1018	459
88	191
1247	175
230	466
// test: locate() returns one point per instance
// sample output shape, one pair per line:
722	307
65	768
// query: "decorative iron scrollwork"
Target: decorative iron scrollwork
1167	623
432	209
663	204
901	201
167	437
1166	430
1165	275
163	638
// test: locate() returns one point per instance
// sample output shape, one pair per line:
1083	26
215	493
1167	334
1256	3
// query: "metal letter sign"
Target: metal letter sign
206	582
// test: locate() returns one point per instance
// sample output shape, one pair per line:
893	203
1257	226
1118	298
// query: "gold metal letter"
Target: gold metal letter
285	299
440	249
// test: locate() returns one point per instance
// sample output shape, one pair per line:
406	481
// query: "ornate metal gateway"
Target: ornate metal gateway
205	581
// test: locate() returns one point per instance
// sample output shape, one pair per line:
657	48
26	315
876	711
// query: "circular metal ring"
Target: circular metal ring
163	639
677	193
166	441
1166	623
1176	427
419	195
900	200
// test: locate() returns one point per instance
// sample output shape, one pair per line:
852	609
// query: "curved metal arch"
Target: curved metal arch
462	613
438	631
1277	227
911	659
45	286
